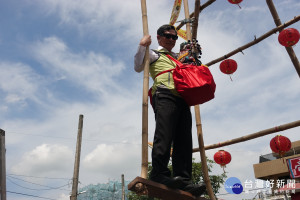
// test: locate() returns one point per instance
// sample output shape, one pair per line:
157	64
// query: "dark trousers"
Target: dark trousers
173	128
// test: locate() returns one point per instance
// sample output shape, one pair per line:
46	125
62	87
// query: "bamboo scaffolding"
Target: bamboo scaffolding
289	50
252	136
255	41
196	19
202	148
200	9
144	170
197	112
187	16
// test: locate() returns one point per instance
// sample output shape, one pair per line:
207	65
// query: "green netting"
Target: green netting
111	190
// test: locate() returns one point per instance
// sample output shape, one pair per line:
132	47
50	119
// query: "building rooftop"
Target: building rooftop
273	166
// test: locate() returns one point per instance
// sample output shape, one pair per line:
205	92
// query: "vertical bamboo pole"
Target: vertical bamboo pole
187	16
289	50
197	108
202	153
144	170
196	16
3	166
77	160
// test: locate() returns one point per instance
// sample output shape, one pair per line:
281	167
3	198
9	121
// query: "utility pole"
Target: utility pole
2	165
77	160
123	187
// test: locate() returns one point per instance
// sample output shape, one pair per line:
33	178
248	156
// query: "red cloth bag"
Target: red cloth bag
194	83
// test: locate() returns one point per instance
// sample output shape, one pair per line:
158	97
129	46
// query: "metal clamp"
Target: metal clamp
189	20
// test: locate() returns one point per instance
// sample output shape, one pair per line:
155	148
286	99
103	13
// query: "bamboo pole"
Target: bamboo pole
197	109
208	3
144	169
202	154
182	23
255	41
273	12
252	136
289	50
196	16
187	16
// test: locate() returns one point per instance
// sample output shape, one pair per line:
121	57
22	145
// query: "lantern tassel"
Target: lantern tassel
282	156
230	77
223	167
239	6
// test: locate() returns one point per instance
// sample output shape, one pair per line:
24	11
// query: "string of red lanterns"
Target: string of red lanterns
279	144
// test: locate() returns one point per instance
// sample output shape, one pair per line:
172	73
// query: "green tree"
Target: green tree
197	177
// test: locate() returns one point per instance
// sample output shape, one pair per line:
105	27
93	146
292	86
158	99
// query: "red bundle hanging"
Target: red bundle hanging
194	83
288	37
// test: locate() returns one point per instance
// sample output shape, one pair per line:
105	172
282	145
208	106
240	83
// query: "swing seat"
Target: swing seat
149	188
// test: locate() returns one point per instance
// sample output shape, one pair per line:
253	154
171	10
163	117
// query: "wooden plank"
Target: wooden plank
143	186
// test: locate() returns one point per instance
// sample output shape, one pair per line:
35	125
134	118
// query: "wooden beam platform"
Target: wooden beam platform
143	186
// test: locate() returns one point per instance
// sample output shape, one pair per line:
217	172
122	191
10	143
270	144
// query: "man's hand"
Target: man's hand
146	40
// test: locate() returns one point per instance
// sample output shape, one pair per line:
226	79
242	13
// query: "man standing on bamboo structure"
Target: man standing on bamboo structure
172	115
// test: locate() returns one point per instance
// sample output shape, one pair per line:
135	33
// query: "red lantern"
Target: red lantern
280	144
222	158
288	37
235	2
228	66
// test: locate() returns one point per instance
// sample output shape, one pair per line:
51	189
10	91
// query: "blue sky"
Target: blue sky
60	59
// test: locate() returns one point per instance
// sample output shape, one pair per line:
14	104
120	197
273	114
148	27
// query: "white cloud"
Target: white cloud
110	161
45	160
94	71
93	17
64	197
17	82
100	19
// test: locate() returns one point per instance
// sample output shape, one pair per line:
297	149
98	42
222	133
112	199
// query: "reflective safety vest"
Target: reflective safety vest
166	79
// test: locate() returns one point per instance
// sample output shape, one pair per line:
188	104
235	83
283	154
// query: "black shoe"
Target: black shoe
174	183
195	189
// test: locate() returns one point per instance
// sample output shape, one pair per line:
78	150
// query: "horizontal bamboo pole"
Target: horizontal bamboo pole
253	135
255	41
